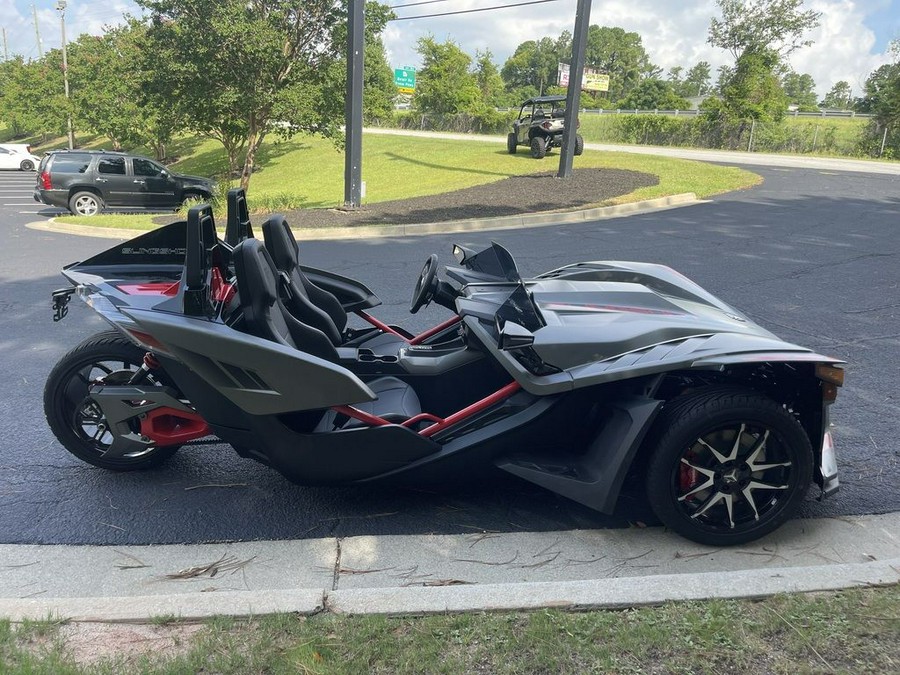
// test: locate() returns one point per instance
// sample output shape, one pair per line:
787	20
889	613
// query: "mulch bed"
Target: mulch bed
506	197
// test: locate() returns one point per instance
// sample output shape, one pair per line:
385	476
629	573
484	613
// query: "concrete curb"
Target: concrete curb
612	593
525	220
426	573
589	594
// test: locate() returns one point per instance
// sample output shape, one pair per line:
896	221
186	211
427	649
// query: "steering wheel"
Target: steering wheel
425	286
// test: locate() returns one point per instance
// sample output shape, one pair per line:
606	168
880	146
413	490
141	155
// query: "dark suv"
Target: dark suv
88	181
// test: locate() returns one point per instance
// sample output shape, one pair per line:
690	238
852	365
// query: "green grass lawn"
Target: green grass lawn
308	172
855	631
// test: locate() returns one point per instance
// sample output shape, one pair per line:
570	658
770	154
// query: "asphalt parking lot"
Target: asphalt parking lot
811	255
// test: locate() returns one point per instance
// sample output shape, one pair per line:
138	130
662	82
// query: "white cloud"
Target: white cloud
673	33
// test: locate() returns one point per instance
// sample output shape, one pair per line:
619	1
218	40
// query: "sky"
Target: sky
851	41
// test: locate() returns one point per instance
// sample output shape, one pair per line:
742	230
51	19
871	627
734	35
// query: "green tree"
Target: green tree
800	91
752	93
696	82
654	95
444	84
227	65
620	54
535	63
487	76
838	97
108	91
757	25
32	99
379	89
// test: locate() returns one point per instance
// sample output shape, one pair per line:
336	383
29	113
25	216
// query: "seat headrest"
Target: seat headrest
256	274
280	243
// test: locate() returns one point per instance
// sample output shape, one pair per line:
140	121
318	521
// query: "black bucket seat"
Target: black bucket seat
310	303
266	317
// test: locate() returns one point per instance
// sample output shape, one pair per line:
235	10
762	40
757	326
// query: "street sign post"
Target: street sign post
405	79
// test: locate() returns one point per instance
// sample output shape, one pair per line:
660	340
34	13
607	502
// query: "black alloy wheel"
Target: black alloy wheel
512	143
729	467
75	418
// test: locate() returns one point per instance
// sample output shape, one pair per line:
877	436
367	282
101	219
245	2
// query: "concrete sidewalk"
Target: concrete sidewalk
426	574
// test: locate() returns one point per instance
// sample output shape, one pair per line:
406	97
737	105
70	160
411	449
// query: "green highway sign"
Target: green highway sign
405	79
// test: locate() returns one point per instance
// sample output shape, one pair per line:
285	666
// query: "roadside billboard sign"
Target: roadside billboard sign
591	81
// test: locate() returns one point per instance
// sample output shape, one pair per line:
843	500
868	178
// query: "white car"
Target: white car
17	156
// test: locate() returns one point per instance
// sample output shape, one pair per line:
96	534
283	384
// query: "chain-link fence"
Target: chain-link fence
857	136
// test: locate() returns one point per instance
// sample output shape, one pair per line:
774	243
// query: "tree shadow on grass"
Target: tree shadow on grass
444	167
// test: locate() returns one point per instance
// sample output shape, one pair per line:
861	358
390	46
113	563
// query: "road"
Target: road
812	255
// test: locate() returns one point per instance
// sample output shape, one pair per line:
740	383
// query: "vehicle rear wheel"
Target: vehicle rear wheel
26	165
85	204
579	144
75	418
512	143
729	466
538	147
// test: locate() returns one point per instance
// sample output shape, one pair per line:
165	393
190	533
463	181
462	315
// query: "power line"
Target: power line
414	4
470	11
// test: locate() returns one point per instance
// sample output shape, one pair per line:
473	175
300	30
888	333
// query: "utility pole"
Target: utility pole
573	92
353	105
37	32
5	48
61	8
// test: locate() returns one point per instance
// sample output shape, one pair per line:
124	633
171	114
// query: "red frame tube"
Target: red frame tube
418	339
431	332
439	423
380	325
350	411
473	409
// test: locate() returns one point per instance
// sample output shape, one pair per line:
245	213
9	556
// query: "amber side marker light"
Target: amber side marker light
832	378
830	374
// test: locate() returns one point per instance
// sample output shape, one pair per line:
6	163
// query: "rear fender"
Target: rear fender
259	376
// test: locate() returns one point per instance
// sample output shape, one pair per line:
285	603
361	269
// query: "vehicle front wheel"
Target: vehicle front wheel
538	147
75	418
512	143
26	165
729	466
579	144
85	204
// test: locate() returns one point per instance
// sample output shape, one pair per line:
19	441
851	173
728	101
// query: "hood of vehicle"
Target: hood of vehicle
193	180
603	310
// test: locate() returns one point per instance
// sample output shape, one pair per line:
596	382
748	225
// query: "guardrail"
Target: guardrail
620	111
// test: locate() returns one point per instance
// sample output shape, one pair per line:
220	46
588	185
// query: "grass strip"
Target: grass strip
850	631
309	173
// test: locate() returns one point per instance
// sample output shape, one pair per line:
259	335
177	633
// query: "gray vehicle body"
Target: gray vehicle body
556	379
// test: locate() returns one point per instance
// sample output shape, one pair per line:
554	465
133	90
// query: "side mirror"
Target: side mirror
513	336
164	173
462	254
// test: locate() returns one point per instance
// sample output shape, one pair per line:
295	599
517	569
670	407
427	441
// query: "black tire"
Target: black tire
512	143
85	204
538	147
579	144
726	503
26	165
66	403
